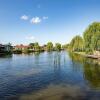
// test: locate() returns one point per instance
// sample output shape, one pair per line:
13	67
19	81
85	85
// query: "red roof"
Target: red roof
21	46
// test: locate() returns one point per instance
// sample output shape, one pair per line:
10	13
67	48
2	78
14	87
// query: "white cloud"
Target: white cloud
35	20
30	38
45	17
24	17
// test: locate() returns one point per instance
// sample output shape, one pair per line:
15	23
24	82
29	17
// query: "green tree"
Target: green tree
89	36
95	42
91	74
49	46
76	44
57	46
66	46
36	47
31	45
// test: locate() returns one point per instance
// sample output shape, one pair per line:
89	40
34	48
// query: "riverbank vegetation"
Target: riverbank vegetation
89	43
35	47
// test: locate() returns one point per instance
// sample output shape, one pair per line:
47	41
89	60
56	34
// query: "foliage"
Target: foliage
36	46
66	46
95	42
57	46
76	44
31	45
17	51
92	37
49	46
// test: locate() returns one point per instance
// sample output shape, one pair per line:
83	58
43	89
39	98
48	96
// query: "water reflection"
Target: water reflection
91	69
76	58
6	56
57	67
92	75
57	60
49	76
36	53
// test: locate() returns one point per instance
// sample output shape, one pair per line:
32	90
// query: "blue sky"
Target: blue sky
25	21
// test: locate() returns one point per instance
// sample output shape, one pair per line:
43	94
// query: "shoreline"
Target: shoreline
88	55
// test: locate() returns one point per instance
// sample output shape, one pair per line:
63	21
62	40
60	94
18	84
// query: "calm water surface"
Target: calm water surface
49	76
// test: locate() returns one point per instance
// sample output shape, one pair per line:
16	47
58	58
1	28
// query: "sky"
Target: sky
26	21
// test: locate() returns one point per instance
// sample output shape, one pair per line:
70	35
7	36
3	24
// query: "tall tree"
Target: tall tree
89	36
76	44
95	42
66	46
31	45
57	46
36	46
49	46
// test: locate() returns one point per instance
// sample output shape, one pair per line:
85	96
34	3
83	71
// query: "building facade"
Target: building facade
5	48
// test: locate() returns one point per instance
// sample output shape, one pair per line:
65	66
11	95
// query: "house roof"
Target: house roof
21	46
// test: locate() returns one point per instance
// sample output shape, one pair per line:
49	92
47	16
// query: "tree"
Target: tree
66	46
49	46
76	44
36	46
89	36
57	46
31	45
95	42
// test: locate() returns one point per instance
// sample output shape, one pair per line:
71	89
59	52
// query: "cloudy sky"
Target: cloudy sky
25	21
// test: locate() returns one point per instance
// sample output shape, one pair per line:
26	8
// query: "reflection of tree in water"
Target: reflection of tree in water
92	74
76	58
57	58
36	53
91	69
77	62
81	59
36	58
50	58
57	65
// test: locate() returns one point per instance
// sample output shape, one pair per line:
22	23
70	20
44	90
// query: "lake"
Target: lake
49	76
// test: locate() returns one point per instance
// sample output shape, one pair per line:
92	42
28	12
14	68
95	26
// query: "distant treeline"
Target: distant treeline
35	47
48	47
